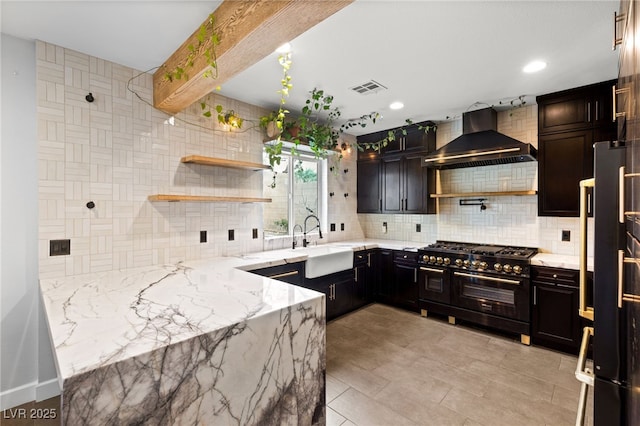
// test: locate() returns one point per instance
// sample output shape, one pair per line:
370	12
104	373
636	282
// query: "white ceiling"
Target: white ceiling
437	57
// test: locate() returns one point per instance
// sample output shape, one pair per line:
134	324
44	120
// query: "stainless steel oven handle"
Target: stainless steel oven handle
484	277
584	310
439	271
583	374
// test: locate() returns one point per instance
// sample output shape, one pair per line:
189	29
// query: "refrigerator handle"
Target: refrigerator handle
621	195
585	376
584	310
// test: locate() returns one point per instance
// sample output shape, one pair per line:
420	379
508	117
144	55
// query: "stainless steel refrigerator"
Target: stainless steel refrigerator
615	335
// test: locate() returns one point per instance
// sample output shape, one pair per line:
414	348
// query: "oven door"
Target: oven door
434	284
504	296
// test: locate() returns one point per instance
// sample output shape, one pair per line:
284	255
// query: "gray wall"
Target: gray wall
25	353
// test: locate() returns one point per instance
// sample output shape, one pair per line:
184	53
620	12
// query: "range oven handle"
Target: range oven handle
583	374
439	271
484	277
584	310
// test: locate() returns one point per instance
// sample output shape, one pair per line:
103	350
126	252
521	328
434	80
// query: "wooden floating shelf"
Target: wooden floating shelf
206	198
222	162
485	194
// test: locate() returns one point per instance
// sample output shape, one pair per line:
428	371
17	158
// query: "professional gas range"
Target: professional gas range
480	283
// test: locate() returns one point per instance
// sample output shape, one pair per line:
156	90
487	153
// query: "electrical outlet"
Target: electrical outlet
333	227
231	235
59	247
342	226
566	235
254	233
418	227
384	227
203	236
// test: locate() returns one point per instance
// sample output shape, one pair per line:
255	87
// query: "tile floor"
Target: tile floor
386	366
389	367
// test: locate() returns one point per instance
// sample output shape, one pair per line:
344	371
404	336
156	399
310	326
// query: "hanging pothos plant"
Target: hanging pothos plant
274	150
316	127
207	40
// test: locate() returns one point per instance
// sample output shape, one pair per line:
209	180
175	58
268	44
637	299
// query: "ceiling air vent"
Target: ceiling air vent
369	87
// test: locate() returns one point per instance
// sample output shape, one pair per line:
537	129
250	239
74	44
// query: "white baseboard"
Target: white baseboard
48	389
18	396
30	392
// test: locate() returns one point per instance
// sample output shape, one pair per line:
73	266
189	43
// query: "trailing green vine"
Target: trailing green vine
392	134
206	33
274	150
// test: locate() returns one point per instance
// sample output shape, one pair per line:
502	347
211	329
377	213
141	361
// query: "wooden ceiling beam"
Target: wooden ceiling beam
248	32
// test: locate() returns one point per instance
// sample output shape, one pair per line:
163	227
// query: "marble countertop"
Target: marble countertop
102	318
560	261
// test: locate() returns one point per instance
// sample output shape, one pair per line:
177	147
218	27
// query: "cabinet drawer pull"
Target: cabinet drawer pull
415	275
284	274
356	277
589	112
566	286
535	295
369	260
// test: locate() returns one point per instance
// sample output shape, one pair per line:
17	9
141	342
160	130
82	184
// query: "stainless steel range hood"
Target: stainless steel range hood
480	145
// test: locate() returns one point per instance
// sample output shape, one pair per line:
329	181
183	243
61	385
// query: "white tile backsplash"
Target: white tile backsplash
509	220
116	151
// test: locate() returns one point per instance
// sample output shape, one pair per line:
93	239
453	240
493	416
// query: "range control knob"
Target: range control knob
507	268
497	267
484	265
447	261
425	258
432	259
466	262
475	263
517	269
458	262
438	259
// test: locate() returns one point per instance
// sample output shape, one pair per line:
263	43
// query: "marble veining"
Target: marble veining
190	343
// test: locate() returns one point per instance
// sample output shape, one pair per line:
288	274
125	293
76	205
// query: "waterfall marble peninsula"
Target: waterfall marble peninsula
191	343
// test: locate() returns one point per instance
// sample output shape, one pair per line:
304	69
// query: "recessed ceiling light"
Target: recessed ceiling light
396	105
285	48
534	66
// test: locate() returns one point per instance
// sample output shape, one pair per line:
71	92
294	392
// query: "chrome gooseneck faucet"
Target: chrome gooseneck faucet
294	243
304	238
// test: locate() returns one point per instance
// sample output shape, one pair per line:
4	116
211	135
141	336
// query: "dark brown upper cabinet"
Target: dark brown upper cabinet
393	180
569	123
576	109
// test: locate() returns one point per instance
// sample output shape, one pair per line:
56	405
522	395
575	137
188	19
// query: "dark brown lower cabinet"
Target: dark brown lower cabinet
555	321
292	273
405	272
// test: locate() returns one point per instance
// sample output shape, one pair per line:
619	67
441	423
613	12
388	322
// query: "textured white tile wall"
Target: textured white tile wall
511	220
116	152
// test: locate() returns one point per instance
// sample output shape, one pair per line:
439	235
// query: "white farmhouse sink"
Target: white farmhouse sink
326	260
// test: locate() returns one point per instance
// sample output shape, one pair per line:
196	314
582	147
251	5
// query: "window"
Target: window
296	195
